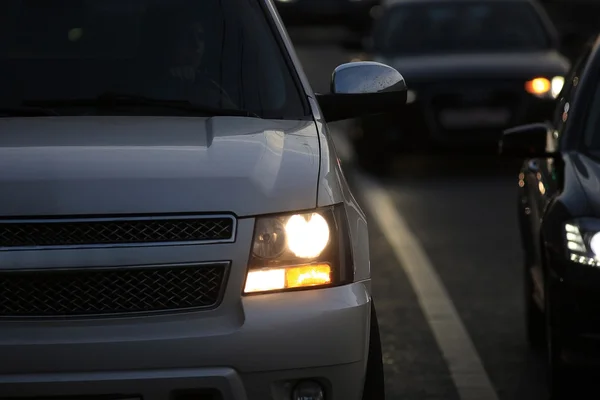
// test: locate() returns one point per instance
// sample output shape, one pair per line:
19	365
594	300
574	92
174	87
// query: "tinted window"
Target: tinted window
458	27
566	96
592	128
216	53
591	136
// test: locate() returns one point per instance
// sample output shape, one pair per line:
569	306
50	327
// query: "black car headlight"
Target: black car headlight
299	251
583	241
545	88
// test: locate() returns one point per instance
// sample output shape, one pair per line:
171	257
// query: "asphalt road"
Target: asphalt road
461	212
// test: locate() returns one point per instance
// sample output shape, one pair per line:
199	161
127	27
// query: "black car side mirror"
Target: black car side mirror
528	141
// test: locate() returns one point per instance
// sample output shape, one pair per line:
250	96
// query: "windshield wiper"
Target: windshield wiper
18	111
115	100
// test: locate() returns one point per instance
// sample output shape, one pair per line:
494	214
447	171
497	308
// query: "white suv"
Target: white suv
174	223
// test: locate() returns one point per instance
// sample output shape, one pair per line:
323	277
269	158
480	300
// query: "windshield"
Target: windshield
212	53
460	27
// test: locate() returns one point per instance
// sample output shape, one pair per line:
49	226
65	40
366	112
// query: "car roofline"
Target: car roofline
549	25
391	3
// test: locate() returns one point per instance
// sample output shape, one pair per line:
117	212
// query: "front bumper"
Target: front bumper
574	291
258	349
419	125
184	384
249	347
530	110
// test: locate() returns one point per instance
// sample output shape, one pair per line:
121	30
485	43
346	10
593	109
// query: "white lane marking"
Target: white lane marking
466	368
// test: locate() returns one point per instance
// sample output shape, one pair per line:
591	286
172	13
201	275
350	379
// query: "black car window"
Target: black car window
565	98
591	135
214	53
591	130
460	27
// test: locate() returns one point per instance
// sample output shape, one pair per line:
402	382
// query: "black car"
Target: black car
559	216
355	15
471	74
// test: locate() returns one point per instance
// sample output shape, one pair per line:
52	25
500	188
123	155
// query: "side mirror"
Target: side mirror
363	88
527	141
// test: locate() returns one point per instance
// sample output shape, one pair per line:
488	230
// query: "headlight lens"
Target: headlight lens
556	86
307	234
583	241
300	250
269	238
545	88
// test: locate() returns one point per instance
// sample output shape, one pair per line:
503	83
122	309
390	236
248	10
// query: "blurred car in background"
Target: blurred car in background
473	67
559	218
354	15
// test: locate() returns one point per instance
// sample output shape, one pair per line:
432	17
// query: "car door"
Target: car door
541	176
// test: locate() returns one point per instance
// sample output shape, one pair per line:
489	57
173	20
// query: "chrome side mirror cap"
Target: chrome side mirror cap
363	88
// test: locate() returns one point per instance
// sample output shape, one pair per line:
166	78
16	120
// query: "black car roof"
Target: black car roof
392	3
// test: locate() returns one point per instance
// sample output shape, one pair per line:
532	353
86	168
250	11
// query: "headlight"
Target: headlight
299	251
545	88
583	241
556	84
411	96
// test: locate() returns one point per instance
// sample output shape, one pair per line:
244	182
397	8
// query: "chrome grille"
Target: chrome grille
80	292
81	232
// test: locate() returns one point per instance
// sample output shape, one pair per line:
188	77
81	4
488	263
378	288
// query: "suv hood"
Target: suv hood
138	165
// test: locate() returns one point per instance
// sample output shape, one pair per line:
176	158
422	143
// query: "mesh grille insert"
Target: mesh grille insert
125	231
110	291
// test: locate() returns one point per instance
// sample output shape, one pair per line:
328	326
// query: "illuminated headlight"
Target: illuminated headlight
299	251
583	241
545	88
